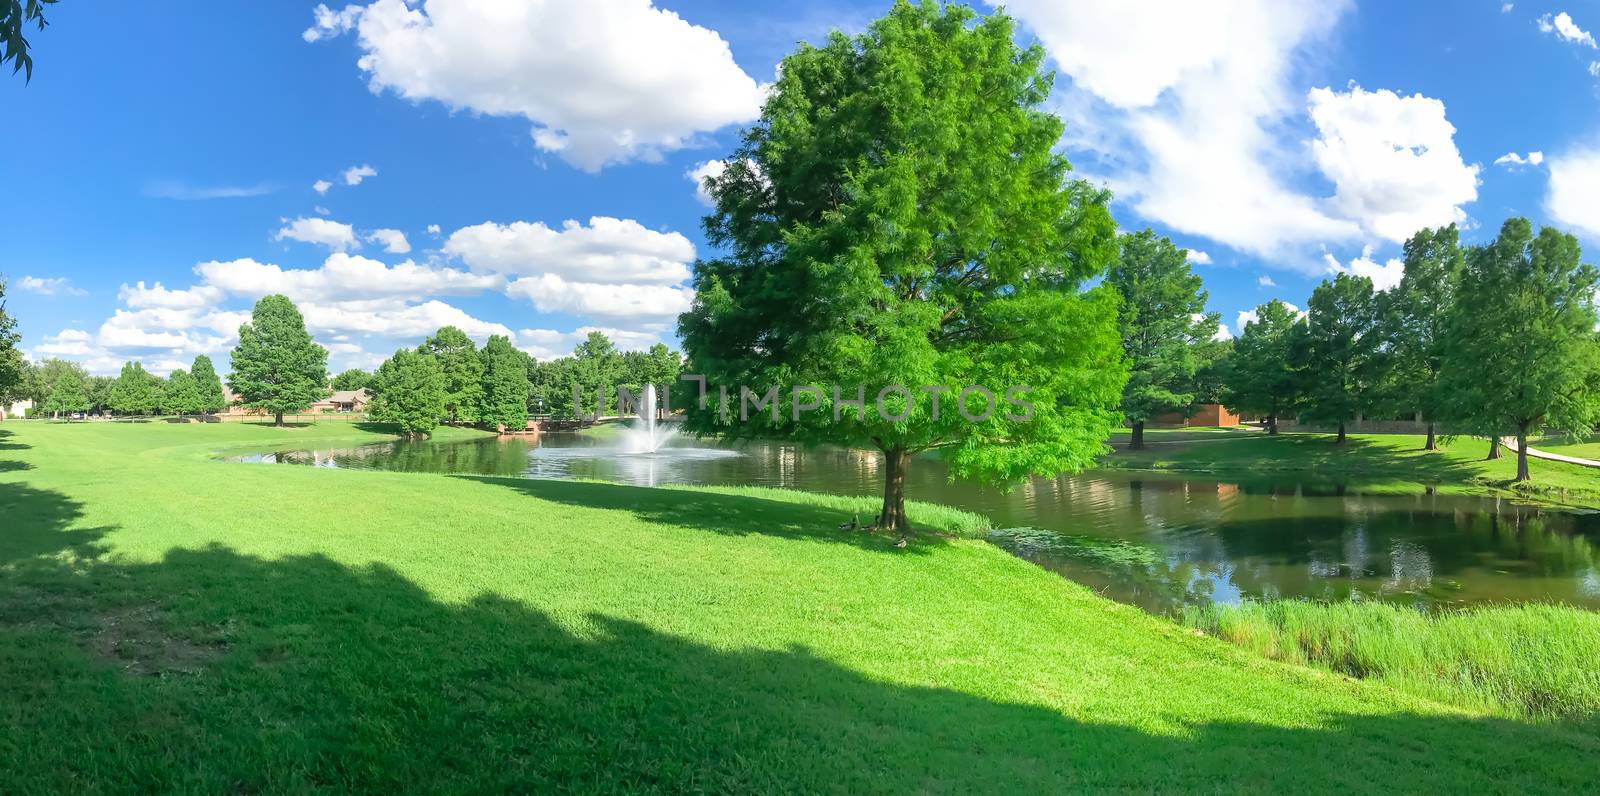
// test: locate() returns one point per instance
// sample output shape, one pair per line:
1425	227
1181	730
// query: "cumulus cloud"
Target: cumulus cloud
433	229
1573	196
699	174
1384	276
607	250
66	343
321	231
603	82
1246	317
1510	159
1393	160
393	240
49	286
1199	257
1265	281
355	174
1565	29
547	344
321	186
343	278
159	297
639	303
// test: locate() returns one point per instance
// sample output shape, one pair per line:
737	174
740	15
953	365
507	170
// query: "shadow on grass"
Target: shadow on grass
37	522
213	671
6	445
695	510
1357	458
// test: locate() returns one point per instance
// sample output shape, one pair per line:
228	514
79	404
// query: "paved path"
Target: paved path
1511	443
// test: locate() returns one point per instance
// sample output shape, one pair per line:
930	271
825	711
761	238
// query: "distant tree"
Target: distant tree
182	394
597	369
1413	317
505	385
67	396
900	218
277	367
463	373
99	391
13	370
1521	352
207	385
39	378
550	387
409	391
1342	341
1161	319
15	16
662	368
1263	377
1213	360
352	379
136	391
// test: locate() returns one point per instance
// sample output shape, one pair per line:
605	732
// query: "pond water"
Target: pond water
1157	541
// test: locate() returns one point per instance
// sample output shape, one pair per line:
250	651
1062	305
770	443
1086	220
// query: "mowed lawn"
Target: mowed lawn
169	622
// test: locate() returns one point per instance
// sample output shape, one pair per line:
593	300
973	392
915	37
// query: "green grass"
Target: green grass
1374	462
1536	661
1588	448
173	623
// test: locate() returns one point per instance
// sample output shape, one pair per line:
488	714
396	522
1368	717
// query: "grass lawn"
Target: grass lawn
1584	448
1375	462
173	623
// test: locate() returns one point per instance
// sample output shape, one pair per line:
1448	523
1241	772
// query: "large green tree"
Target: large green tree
462	368
409	391
597	370
1521	353
68	395
505	385
208	385
1341	347
13	369
277	367
136	391
1162	319
901	229
1413	317
352	379
1263	376
182	395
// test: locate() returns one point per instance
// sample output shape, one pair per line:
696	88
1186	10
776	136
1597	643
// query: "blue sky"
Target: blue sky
530	157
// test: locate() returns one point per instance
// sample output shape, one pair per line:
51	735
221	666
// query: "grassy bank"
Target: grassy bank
1536	661
1377	462
169	622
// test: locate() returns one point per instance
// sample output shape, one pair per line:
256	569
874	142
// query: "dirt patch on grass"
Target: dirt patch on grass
135	640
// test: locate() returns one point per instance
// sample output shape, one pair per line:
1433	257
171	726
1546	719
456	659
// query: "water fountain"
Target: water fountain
645	435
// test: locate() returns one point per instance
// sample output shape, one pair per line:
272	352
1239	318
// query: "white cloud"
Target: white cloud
433	229
321	186
1220	334
1594	68
177	189
699	174
603	81
638	303
1505	8
607	250
159	297
321	231
1199	257
393	240
355	174
1265	281
1384	277
1565	29
1249	316
344	278
1393	160
547	344
49	286
66	343
1510	159
320	210
411	322
1573	198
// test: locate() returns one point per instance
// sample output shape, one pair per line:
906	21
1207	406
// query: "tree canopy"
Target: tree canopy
13	370
899	225
409	391
136	391
1341	346
182	394
505	385
208	385
1412	318
352	379
1263	377
67	395
277	367
462	370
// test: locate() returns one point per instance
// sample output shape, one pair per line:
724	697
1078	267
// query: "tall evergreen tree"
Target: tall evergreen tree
182	395
352	379
1162	319
136	391
462	369
900	219
409	391
1413	317
207	385
1521	353
505	385
1263	377
68	395
277	367
1342	341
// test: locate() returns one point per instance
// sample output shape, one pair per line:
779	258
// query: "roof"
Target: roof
349	397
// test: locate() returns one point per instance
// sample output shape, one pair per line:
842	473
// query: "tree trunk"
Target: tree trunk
277	419
1432	442
1494	449
1272	425
893	515
1137	441
1522	451
1340	440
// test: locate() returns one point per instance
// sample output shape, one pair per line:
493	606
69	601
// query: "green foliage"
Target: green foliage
1521	351
99	392
277	366
68	395
136	391
15	16
1162	319
1413	318
182	394
463	373
352	379
505	385
1530	661
13	369
1263	377
39	379
597	369
409	391
900	216
208	385
1342	361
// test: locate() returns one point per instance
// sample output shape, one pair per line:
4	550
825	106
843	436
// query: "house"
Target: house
18	409
344	401
1199	415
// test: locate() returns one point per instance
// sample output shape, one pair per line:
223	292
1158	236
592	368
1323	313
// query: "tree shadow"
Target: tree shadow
37	522
7	445
697	510
214	671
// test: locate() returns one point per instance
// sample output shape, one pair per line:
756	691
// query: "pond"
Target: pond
1157	541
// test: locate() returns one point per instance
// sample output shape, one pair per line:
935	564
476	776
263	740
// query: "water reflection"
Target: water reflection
1155	541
